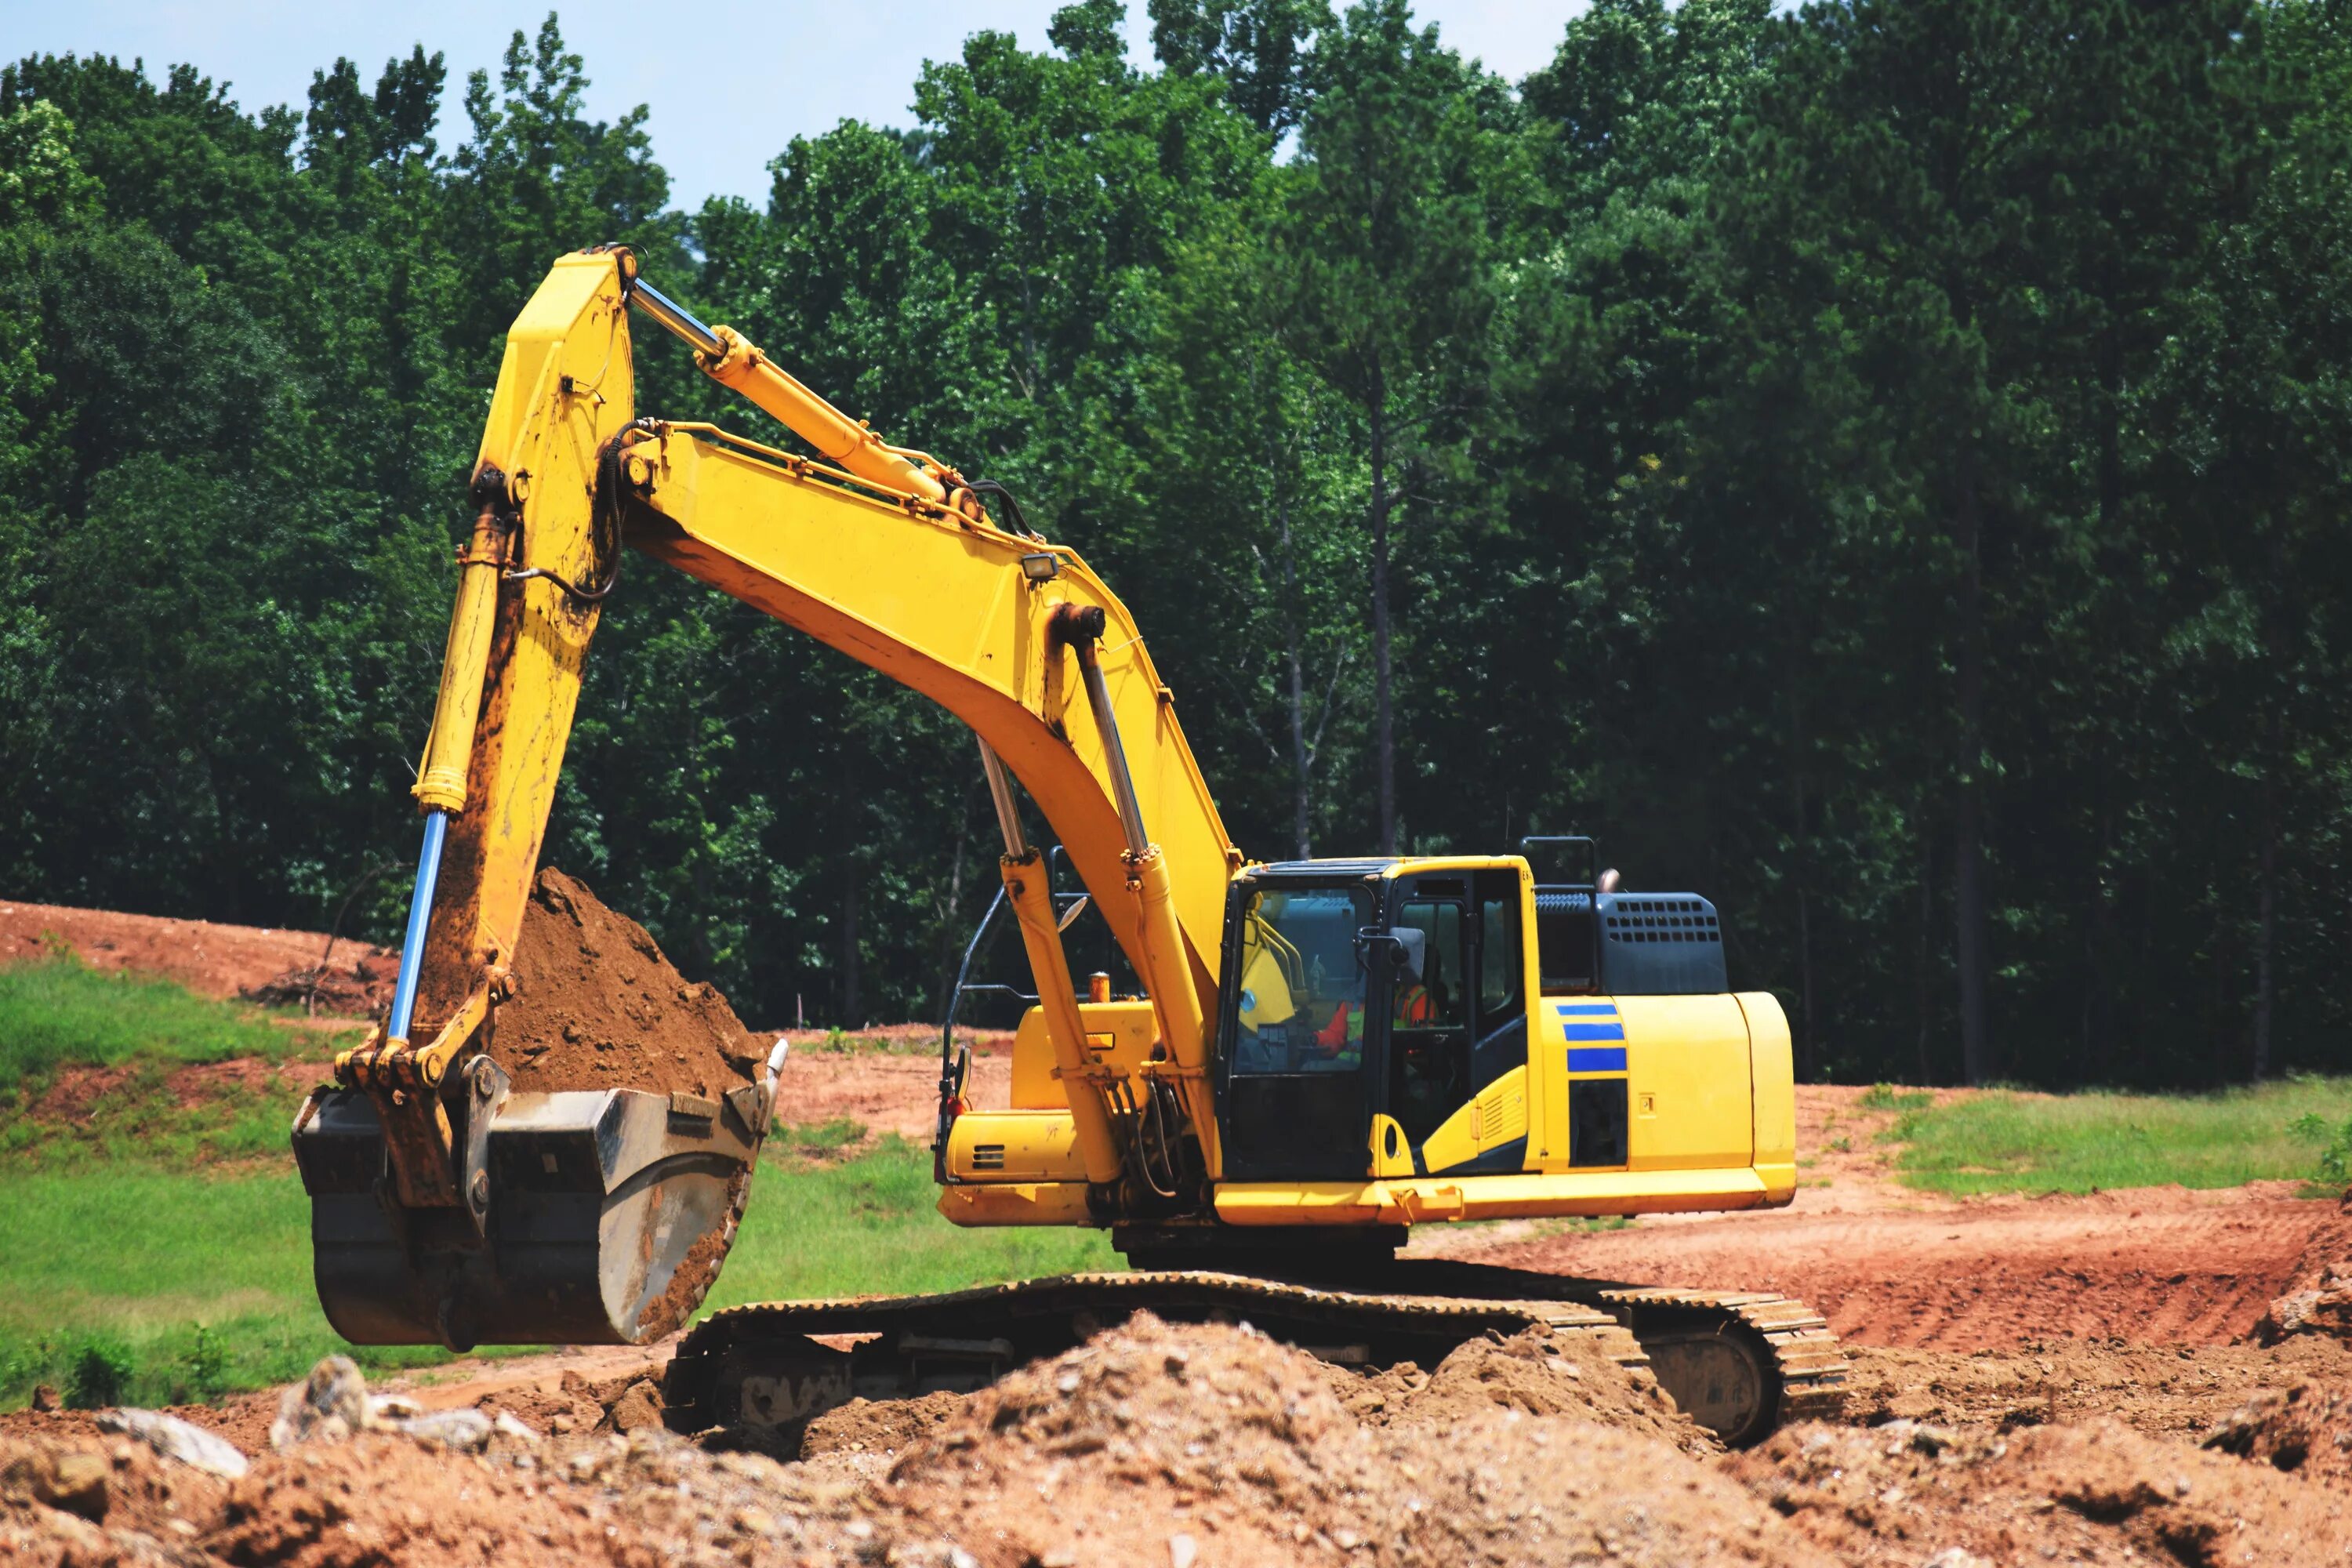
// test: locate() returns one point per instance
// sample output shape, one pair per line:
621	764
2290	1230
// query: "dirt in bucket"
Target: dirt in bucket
596	1006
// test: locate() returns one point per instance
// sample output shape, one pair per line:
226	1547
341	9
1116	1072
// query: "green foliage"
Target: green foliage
101	1372
1884	466
1886	1097
2009	1141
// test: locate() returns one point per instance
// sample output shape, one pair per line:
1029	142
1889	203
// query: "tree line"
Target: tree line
1888	468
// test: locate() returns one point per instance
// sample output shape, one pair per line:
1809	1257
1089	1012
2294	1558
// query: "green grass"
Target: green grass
152	1252
60	1011
1886	1097
193	1285
2009	1142
871	1225
58	1014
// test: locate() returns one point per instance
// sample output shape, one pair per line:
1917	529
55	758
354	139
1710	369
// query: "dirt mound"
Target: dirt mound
596	1006
885	1427
1153	1444
1909	1493
2306	1429
1537	1372
2317	1297
97	1502
210	959
361	988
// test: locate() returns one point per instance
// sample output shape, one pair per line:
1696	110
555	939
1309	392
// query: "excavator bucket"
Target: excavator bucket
608	1213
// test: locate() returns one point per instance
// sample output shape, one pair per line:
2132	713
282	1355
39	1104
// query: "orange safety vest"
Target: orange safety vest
1414	1005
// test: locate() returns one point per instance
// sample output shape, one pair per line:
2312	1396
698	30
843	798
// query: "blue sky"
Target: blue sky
728	82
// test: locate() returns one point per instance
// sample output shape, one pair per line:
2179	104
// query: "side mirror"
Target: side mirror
1402	947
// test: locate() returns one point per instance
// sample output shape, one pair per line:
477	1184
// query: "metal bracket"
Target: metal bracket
485	1091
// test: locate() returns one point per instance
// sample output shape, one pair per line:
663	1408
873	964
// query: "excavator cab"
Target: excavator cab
1376	1002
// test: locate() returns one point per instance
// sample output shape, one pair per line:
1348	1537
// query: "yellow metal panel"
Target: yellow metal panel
1119	1033
1063	1203
1531	1195
991	1146
1772	1069
1455	1142
1495	1116
1388	1135
1687	1059
1501	1111
941	606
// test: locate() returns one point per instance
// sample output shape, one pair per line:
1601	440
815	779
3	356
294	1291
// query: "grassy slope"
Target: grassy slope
60	1011
2003	1142
173	1241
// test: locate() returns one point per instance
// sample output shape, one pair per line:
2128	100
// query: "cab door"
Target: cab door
1294	1087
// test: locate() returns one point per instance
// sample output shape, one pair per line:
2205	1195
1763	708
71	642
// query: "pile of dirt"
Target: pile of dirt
208	958
1153	1444
92	1501
594	1005
2317	1299
360	988
1536	1373
881	1428
646	1501
1909	1493
2305	1430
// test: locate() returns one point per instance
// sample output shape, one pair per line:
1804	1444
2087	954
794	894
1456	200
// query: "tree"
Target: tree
1391	279
1261	49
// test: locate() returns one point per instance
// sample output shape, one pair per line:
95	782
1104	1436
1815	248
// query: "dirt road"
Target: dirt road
2154	1266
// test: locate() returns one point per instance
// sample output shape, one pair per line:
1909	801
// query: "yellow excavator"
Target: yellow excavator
1317	1055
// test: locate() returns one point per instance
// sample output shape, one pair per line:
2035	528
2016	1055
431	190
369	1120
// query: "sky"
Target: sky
728	82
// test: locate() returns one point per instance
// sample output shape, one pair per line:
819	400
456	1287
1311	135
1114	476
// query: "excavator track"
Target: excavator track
1741	1362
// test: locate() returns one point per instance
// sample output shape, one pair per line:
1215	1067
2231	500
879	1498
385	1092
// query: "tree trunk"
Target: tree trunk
1809	1064
2098	946
1924	992
1971	938
2266	901
952	940
1384	720
1800	873
1300	801
852	1007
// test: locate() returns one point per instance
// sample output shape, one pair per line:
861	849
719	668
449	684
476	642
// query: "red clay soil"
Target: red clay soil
2164	1391
1907	1494
596	1006
212	960
882	1091
2153	1266
1155	1445
72	1096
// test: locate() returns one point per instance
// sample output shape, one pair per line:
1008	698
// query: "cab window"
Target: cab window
1301	1004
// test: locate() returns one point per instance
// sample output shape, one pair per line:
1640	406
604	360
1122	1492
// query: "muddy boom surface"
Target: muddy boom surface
1740	1363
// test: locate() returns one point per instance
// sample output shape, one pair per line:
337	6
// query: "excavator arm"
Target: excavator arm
434	1216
